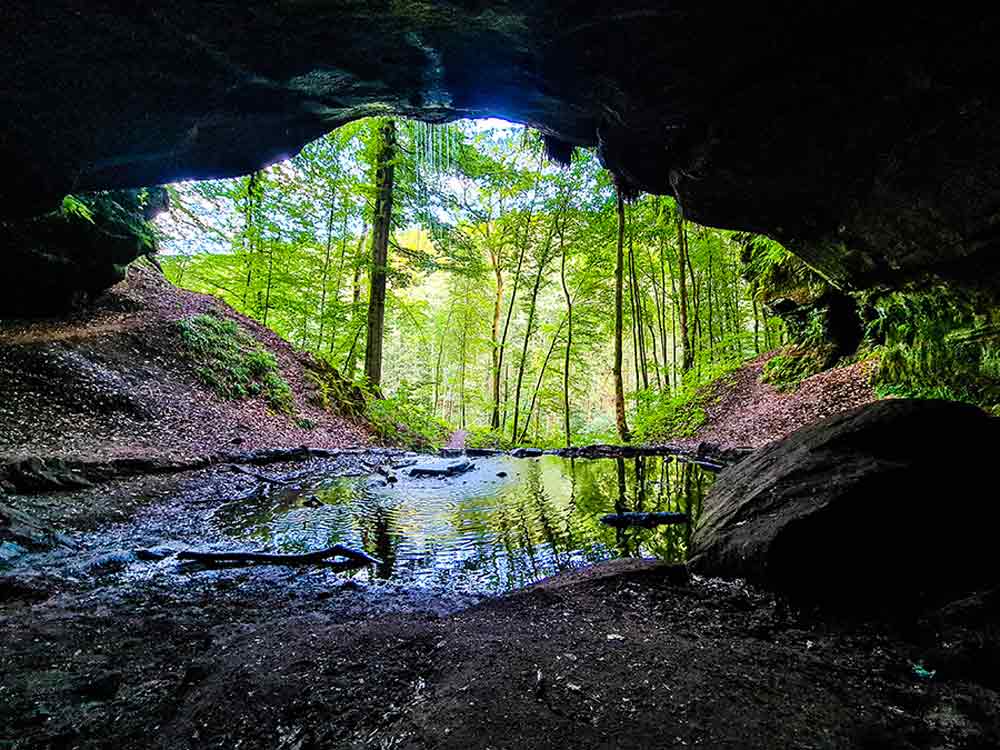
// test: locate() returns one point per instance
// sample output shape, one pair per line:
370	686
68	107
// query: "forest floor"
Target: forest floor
104	652
114	382
745	412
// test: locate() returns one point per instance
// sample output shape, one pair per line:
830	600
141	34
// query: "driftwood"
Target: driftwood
645	520
356	558
441	470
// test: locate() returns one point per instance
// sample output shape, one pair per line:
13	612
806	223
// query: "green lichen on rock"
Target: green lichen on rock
331	391
233	363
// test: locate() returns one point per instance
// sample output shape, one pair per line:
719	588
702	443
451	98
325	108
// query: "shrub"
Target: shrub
486	437
401	419
233	363
787	370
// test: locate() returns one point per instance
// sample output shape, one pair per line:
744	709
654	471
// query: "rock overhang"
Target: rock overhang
863	137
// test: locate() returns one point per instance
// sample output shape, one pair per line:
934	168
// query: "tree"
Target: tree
381	227
620	421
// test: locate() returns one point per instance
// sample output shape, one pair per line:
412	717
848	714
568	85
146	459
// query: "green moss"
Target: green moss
787	370
233	363
937	343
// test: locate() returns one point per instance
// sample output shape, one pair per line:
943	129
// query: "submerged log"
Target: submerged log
441	470
645	520
357	558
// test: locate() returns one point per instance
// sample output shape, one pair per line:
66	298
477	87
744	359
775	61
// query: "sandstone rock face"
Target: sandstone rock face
887	504
864	138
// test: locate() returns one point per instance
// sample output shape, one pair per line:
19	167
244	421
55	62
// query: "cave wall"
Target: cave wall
864	136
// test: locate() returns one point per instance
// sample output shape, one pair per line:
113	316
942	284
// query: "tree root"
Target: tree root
355	558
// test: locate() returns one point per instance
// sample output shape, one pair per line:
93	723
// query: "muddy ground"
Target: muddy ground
101	650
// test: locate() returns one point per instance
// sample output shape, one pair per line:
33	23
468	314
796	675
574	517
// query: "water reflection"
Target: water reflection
481	531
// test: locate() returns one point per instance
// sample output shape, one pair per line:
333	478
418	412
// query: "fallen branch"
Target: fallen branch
646	520
356	557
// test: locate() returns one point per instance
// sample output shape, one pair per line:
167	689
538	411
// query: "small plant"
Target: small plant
232	363
485	437
401	419
787	370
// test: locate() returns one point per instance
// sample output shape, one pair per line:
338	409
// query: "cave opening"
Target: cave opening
335	412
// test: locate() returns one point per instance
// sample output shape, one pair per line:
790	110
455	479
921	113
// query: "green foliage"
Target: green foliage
785	371
665	417
116	212
400	419
73	206
484	437
491	247
936	343
232	363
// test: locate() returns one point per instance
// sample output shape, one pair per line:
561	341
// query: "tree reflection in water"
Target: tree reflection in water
479	532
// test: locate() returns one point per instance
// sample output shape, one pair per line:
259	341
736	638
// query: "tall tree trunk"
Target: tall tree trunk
687	351
538	383
633	316
251	232
638	311
569	340
495	339
708	291
674	307
270	275
620	422
756	324
495	421
326	273
461	386
381	227
350	363
542	263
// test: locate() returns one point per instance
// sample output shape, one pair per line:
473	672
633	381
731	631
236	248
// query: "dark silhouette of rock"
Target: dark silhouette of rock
526	452
884	505
875	155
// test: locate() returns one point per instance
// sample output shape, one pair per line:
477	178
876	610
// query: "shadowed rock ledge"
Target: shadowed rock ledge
863	138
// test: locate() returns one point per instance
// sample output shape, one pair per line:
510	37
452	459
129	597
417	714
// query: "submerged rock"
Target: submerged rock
20	533
880	505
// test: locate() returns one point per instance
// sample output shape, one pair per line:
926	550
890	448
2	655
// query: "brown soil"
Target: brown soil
114	383
744	412
620	658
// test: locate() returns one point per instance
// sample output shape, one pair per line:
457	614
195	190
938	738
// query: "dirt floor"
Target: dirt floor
745	412
100	652
112	383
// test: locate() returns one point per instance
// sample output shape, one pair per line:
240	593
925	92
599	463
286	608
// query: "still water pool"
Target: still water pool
505	524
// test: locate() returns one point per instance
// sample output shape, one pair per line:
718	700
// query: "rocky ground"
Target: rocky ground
113	383
106	649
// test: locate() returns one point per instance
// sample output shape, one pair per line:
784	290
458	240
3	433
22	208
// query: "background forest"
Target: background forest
472	282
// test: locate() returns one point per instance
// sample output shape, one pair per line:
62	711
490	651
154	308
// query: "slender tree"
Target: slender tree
620	422
381	228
